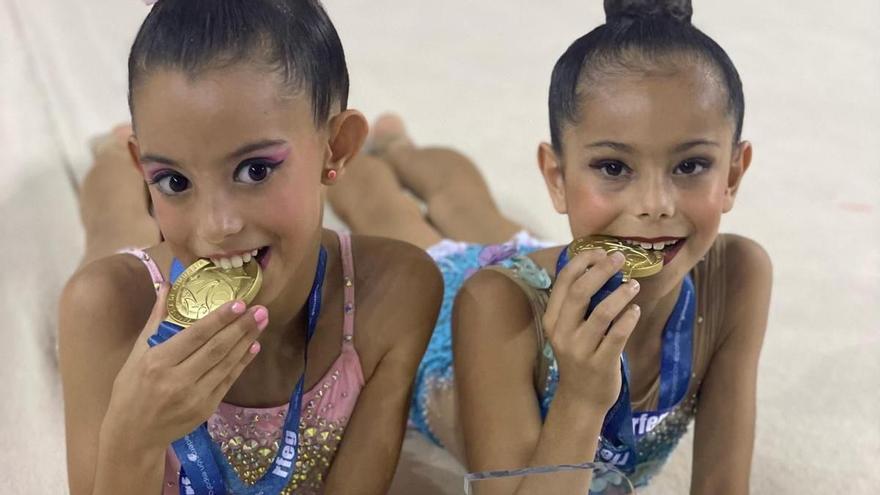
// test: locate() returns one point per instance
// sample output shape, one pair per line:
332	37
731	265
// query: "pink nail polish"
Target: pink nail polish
238	307
261	314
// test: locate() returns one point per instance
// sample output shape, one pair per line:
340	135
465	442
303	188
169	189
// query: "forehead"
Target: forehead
239	100
656	106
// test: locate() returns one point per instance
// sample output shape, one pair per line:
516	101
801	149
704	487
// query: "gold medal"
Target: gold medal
204	287
639	262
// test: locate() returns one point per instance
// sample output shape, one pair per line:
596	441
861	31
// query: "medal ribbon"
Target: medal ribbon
198	454
619	428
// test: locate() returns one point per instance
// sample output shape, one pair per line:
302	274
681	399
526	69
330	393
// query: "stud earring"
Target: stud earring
331	175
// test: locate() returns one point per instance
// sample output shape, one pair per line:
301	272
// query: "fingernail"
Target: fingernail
261	316
634	285
617	257
255	348
636	309
238	307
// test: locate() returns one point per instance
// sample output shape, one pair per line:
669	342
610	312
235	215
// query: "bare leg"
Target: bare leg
459	203
369	199
112	205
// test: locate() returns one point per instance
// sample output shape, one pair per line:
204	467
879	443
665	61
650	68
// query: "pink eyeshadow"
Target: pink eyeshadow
278	154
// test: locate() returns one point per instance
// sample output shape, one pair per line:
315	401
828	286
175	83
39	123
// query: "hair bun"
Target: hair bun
618	10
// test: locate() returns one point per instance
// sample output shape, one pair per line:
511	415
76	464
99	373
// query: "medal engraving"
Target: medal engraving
638	262
204	287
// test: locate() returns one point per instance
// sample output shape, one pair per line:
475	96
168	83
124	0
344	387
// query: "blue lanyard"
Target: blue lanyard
204	469
619	428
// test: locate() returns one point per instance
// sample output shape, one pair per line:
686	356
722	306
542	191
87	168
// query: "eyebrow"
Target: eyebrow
241	151
629	149
692	144
255	146
613	145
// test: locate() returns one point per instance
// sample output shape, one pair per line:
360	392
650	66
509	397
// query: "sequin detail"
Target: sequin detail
250	446
457	261
250	437
652	449
655	447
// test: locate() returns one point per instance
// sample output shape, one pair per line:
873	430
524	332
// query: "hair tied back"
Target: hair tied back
635	10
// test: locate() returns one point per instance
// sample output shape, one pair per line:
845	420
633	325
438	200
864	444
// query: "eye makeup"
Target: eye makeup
276	155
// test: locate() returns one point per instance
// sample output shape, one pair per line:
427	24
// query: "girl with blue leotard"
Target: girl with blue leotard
646	114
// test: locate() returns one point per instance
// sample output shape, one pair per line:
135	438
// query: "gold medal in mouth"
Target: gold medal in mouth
638	262
204	287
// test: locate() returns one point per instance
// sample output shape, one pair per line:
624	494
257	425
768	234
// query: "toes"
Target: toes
388	131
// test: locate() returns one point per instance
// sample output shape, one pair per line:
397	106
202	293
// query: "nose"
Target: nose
656	198
218	219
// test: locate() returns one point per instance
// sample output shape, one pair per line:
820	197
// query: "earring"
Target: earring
331	175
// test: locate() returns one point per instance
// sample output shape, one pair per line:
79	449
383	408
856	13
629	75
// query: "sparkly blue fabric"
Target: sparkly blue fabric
652	449
436	365
435	370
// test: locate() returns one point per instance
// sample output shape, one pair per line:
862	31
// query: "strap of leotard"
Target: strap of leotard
147	260
348	288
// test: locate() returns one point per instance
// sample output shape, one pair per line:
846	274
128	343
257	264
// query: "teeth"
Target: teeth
656	246
235	261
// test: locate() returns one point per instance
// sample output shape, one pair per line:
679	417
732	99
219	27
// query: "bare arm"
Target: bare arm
96	335
495	351
725	424
126	402
370	448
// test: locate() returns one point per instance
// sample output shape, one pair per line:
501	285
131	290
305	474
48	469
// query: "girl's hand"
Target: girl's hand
587	356
164	392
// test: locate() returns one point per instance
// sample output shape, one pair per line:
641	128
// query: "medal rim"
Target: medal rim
248	295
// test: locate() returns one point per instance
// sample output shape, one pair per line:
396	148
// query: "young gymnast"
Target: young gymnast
646	114
240	125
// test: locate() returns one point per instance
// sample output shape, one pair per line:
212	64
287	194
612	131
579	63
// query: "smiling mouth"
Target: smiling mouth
259	255
667	247
662	244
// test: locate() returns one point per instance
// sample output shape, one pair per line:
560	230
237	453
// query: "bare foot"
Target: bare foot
115	140
386	134
112	202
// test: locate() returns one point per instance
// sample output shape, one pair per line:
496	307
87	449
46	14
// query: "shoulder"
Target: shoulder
495	336
106	302
493	302
745	260
748	275
399	293
748	270
396	272
394	262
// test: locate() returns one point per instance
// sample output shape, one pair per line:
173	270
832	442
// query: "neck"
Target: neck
656	309
269	379
288	313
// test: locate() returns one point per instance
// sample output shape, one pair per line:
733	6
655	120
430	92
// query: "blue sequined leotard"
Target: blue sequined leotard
655	440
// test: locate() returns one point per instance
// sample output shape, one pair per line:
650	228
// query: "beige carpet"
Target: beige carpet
475	75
